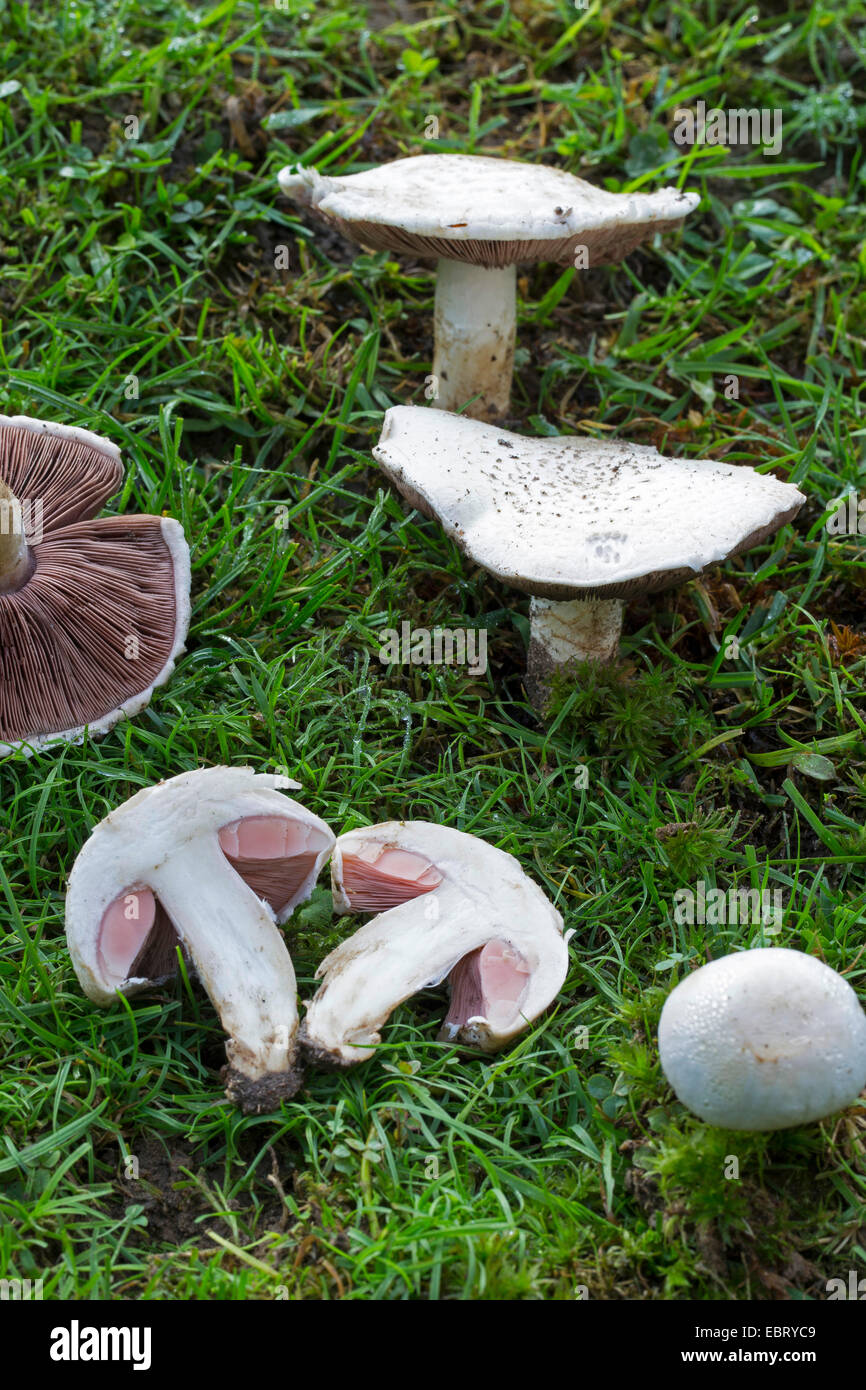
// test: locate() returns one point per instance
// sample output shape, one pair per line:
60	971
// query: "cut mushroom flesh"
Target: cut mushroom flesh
377	877
454	907
487	988
204	862
274	855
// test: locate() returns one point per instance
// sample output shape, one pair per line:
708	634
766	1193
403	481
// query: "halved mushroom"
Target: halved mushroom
479	217
93	614
207	861
582	525
450	906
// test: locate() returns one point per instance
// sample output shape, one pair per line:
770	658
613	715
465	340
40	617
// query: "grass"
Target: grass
141	296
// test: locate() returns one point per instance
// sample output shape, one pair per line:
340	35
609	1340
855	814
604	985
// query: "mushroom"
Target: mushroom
764	1039
479	217
208	860
93	613
582	525
449	906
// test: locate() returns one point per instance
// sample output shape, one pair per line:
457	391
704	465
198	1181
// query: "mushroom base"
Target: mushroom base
259	1095
313	1054
474	330
562	634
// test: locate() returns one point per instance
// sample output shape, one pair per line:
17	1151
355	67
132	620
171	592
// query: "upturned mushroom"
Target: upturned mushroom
450	906
479	217
764	1039
582	525
93	613
208	861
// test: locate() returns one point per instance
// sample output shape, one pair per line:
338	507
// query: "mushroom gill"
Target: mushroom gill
92	626
93	613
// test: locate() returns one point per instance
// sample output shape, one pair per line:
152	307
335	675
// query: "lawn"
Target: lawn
156	287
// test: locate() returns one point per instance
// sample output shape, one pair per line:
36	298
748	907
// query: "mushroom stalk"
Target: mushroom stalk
248	975
474	331
14	551
561	633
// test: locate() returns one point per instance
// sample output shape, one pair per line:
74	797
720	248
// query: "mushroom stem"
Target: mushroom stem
247	972
474	330
562	633
14	551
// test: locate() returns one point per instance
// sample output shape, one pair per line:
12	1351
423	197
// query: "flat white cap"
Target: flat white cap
568	518
493	212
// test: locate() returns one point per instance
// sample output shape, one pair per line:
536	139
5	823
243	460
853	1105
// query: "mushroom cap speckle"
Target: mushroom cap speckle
764	1039
568	518
493	212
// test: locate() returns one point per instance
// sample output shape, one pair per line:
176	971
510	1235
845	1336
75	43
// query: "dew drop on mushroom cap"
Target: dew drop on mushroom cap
764	1039
479	217
93	613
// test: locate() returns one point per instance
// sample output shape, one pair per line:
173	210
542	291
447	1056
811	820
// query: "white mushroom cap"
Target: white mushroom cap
764	1039
464	910
567	518
491	211
208	860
